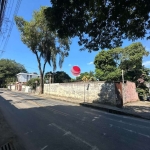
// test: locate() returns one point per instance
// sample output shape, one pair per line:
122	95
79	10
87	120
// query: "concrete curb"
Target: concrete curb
114	110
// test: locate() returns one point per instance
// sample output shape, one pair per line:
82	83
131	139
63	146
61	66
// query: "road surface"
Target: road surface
46	124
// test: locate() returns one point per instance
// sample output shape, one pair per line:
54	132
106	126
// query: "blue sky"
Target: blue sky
17	51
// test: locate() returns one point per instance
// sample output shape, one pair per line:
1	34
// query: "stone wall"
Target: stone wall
103	92
11	87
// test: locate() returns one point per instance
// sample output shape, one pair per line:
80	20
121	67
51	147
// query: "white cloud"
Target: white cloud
90	63
69	65
146	63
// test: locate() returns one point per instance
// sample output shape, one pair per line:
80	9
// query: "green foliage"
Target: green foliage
8	70
132	57
59	77
143	91
79	78
114	75
73	80
33	83
106	66
44	43
86	76
98	23
109	65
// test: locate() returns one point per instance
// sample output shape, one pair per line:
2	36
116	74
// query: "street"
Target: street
46	124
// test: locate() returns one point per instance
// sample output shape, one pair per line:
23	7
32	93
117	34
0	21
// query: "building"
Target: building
25	77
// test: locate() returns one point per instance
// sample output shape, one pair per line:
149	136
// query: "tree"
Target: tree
86	76
59	76
44	43
8	70
79	78
106	66
110	63
98	23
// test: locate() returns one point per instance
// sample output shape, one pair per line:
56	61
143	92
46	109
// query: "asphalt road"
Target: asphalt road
56	125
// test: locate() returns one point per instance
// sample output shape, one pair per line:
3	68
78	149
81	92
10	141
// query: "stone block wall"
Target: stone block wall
103	92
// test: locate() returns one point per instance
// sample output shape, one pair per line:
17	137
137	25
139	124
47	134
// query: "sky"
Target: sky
14	49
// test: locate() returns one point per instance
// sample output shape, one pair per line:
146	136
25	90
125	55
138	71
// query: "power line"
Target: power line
11	24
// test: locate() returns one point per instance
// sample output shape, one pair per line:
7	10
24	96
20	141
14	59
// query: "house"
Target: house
25	77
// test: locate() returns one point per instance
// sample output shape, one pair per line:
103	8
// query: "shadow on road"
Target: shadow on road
61	122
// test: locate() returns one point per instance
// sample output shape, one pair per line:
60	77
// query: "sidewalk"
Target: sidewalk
140	109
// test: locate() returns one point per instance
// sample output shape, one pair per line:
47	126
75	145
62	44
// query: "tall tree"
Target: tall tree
100	23
44	43
106	66
110	63
9	69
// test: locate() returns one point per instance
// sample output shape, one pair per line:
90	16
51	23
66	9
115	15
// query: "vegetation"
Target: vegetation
100	24
86	76
44	43
109	65
8	70
33	83
58	77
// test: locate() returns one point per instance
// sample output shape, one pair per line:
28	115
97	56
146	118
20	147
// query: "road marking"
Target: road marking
120	121
67	133
75	137
131	131
121	116
44	147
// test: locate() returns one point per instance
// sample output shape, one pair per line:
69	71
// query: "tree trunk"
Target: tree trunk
41	84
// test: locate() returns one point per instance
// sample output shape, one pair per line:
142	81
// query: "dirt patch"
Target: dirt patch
7	135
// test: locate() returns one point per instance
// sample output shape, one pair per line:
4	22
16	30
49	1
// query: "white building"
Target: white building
24	77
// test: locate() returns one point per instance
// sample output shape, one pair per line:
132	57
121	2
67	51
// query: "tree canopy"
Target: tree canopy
43	42
86	76
9	69
100	23
59	76
109	63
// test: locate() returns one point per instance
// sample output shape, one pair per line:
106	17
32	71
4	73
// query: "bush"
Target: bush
32	83
143	91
